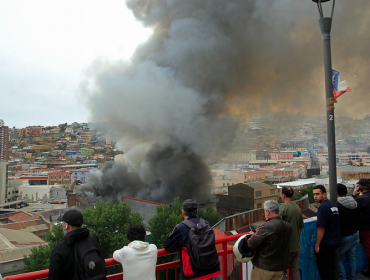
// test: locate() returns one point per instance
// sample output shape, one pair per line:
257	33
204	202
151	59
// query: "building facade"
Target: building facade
3	181
62	178
4	142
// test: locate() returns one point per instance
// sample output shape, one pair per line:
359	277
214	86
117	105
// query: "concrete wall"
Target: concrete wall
34	193
58	193
146	209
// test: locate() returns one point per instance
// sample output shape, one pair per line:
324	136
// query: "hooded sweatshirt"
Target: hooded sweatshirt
348	215
138	260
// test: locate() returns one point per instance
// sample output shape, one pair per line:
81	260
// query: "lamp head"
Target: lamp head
322	1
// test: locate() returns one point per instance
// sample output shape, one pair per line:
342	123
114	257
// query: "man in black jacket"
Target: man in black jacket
271	241
62	259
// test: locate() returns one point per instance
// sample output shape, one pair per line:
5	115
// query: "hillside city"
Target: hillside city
42	169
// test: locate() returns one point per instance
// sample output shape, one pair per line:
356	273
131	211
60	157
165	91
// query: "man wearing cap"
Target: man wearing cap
362	196
62	258
178	239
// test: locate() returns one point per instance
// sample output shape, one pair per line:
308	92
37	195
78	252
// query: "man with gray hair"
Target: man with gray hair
271	241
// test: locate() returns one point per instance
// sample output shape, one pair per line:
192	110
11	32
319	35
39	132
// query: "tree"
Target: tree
164	221
38	260
268	182
368	150
63	146
40	256
109	221
303	192
63	127
210	214
350	163
297	196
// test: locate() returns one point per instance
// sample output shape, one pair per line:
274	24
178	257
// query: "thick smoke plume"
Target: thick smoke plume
172	104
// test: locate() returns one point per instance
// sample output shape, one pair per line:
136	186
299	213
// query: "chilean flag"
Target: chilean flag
338	87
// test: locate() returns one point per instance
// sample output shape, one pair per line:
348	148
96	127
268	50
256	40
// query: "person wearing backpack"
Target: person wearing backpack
138	258
79	256
196	241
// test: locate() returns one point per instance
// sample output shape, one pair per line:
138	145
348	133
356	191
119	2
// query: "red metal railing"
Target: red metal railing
224	252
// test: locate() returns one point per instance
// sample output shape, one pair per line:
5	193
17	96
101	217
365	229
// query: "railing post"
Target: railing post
224	261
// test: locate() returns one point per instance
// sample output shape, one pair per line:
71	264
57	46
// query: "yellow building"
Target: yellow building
262	193
39	147
87	139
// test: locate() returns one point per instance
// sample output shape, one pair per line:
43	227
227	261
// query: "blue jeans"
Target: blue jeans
347	254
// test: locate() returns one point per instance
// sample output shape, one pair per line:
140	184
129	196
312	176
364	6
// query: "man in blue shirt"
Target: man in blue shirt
328	234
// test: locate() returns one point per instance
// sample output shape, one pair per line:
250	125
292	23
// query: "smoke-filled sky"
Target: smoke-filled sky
209	60
46	47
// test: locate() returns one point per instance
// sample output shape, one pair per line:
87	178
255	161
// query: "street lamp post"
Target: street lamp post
325	26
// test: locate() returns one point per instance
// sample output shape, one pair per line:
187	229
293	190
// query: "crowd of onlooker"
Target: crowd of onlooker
274	244
340	228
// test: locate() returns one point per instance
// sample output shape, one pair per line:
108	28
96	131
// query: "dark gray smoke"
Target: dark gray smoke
113	180
208	61
165	173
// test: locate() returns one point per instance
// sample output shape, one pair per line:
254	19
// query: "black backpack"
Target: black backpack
202	249
90	264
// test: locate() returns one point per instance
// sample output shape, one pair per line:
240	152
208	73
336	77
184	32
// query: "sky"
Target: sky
46	47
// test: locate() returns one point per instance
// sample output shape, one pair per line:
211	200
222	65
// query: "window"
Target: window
272	191
259	205
258	194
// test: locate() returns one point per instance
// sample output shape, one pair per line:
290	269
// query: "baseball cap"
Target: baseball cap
363	182
72	217
189	206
